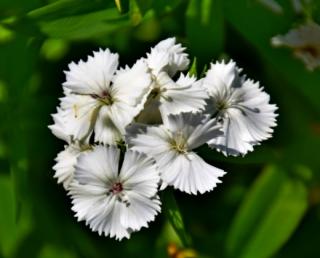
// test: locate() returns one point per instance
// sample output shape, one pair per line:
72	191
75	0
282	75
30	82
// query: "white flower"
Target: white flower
241	106
171	146
101	99
305	42
111	202
65	162
167	96
170	97
168	56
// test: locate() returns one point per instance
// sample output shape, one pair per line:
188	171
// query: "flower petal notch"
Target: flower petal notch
114	200
242	108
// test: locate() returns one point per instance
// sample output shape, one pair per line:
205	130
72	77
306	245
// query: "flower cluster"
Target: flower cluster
133	131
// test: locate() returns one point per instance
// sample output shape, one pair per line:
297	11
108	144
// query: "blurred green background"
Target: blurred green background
269	202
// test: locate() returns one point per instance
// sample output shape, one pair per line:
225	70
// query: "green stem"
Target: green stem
172	211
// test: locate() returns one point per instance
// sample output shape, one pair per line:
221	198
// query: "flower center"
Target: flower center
179	143
117	188
222	105
105	98
311	50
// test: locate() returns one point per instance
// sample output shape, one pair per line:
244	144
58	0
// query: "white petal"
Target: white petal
177	59
157	60
112	121
94	75
79	114
248	123
94	174
105	131
65	162
140	174
232	143
188	96
154	142
122	115
140	211
222	76
241	106
98	167
195	128
101	212
59	128
140	177
185	171
130	85
189	173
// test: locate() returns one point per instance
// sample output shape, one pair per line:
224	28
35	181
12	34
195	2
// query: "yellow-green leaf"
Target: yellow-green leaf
268	216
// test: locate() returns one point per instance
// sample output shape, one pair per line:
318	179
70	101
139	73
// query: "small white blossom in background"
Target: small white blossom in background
149	121
115	203
241	106
305	43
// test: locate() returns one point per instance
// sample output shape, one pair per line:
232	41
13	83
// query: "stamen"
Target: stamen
179	143
245	109
117	188
105	98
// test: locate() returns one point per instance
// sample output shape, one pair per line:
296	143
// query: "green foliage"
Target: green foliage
269	214
205	17
175	218
275	216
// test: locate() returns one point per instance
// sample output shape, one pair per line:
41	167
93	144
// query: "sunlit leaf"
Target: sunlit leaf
118	4
268	216
85	26
63	8
174	216
135	13
193	69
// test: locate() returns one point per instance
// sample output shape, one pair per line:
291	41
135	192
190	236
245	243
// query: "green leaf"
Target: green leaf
118	4
144	5
54	49
168	236
193	69
135	13
174	216
63	8
268	216
205	17
85	26
49	251
11	232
